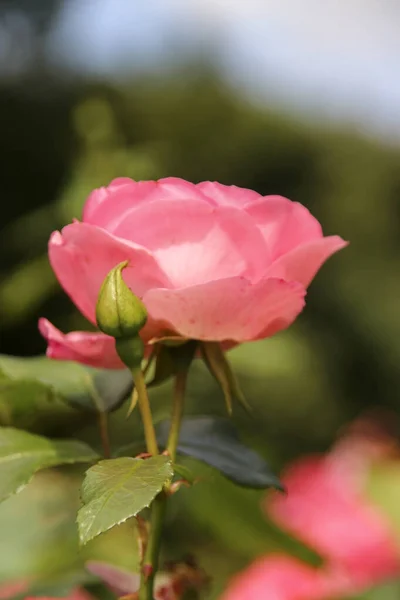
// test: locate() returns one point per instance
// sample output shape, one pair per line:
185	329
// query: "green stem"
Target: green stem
152	554
159	505
145	411
104	435
177	412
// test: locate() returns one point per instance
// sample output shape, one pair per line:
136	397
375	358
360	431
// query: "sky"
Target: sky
340	58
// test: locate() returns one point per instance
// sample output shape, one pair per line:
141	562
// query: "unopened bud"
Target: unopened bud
119	312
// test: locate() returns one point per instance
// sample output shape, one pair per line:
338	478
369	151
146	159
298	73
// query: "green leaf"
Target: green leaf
115	490
30	404
215	441
22	454
43	380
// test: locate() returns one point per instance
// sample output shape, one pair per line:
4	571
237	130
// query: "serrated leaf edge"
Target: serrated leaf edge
84	542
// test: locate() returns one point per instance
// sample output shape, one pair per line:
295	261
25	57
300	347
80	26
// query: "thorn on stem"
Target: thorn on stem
147	571
144	455
176	485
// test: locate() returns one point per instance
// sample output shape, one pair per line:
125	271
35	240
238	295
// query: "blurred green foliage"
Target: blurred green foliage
340	358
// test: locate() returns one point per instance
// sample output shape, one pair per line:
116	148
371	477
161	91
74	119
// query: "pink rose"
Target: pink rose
210	262
326	506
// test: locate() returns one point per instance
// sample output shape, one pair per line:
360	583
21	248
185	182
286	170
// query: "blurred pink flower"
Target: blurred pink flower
211	262
326	507
77	594
276	578
9	590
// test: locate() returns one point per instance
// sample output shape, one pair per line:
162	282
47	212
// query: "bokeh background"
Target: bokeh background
298	99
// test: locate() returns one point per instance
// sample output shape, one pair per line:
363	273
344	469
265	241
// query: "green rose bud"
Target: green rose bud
119	312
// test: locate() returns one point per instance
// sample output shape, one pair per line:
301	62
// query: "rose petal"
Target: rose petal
302	263
93	349
278	578
228	194
106	207
195	242
103	202
82	255
284	224
228	309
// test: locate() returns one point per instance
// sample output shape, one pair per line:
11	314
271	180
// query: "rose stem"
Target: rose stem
104	434
177	412
158	508
145	411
